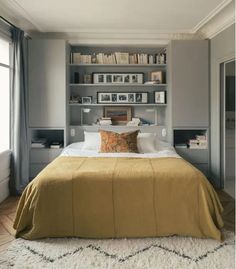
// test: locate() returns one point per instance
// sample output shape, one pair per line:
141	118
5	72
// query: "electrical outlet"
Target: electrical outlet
163	132
72	132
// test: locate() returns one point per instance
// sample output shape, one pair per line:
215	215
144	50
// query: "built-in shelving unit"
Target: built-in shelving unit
150	112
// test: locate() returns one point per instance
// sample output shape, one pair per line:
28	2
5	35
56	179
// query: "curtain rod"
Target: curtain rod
12	25
9	23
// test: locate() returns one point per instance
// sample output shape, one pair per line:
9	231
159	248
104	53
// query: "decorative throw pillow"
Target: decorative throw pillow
119	142
92	141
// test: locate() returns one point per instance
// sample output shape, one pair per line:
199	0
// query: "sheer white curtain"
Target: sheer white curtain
4	94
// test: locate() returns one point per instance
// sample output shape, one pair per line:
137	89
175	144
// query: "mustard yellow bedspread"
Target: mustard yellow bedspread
118	197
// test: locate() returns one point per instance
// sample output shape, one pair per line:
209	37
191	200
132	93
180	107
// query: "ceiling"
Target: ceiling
110	16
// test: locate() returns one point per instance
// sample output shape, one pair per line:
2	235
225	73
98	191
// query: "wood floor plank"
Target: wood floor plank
6	239
8	224
3	231
5	246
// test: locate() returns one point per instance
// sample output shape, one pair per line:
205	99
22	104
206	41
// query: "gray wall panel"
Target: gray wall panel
190	83
47	82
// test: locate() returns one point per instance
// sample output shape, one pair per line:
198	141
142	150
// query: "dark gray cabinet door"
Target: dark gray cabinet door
47	83
190	83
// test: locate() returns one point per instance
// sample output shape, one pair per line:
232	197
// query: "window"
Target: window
4	94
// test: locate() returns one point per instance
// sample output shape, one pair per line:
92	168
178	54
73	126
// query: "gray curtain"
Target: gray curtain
19	113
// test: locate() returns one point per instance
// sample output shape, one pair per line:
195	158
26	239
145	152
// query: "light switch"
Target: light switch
72	132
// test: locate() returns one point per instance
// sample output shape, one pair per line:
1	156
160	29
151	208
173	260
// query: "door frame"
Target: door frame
222	84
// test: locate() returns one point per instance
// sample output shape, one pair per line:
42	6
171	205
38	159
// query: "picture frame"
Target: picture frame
87	78
157	76
86	100
122	97
118	78
160	97
119	115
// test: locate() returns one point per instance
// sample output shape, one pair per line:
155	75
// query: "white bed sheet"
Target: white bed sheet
75	149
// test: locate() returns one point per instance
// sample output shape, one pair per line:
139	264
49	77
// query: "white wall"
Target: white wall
222	49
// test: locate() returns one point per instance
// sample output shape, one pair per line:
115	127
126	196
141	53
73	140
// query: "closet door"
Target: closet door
47	83
190	83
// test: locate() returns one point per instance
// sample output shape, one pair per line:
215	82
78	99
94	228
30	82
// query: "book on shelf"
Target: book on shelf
118	58
181	145
55	145
105	121
152	82
39	143
197	144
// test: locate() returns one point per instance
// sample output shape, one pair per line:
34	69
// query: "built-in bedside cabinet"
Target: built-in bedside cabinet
197	157
40	158
43	151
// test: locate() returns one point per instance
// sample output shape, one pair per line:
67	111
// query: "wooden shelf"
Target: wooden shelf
120	65
116	85
121	104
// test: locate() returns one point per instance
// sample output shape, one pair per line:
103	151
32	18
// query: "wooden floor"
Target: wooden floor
8	210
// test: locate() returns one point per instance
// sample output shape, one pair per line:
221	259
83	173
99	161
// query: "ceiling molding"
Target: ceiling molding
117	38
17	15
219	22
216	21
212	14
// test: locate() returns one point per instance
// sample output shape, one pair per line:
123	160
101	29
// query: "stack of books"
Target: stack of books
105	121
181	145
55	145
200	142
118	58
39	143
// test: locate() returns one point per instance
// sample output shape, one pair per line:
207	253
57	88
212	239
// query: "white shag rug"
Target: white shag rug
163	253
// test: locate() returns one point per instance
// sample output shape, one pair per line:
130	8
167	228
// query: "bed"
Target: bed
88	194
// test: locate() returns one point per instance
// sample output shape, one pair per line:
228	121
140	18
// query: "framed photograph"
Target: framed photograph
119	115
122	97
87	78
87	100
160	97
118	78
157	76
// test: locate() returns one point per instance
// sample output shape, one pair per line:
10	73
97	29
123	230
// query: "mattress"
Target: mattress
113	196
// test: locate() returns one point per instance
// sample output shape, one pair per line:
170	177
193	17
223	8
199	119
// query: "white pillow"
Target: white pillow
92	141
147	142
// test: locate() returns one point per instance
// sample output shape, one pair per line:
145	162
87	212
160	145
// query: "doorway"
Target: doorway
227	70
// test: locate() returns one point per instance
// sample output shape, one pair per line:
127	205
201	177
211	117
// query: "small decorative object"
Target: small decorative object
87	100
160	97
122	97
75	99
118	78
87	78
83	110
134	122
118	115
76	77
157	76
